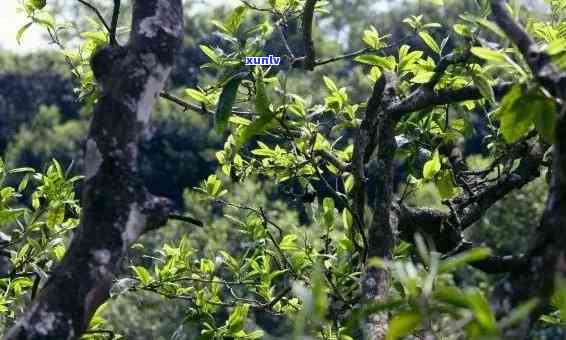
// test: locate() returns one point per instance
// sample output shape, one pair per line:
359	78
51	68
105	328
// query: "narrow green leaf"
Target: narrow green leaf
142	274
225	103
266	115
482	311
214	57
196	95
235	19
429	41
487	54
330	85
457	261
382	62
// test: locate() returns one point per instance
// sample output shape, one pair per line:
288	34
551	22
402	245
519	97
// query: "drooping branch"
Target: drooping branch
117	208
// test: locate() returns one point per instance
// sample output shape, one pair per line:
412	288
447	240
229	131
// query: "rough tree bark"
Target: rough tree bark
546	260
117	208
382	231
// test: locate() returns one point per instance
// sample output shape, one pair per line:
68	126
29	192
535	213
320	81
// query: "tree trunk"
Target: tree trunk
117	208
382	231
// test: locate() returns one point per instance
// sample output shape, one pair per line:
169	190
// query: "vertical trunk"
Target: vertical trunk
382	231
117	208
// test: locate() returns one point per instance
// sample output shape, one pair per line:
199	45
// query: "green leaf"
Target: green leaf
347	219
483	84
44	19
545	119
100	38
235	19
257	334
462	30
21	32
422	77
487	54
372	38
289	242
37	4
432	167
226	102
451	295
457	261
55	216
557	46
328	209
383	62
330	85
196	95
445	185
142	274
403	324
429	41
519	111
214	57
237	318
482	311
490	25
266	115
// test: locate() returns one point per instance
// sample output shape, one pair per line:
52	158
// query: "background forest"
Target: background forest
42	119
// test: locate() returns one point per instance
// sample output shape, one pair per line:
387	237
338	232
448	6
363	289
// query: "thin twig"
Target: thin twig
114	24
98	14
187	219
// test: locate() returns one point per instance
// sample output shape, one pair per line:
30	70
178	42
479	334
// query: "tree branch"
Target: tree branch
424	98
114	23
308	14
98	14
